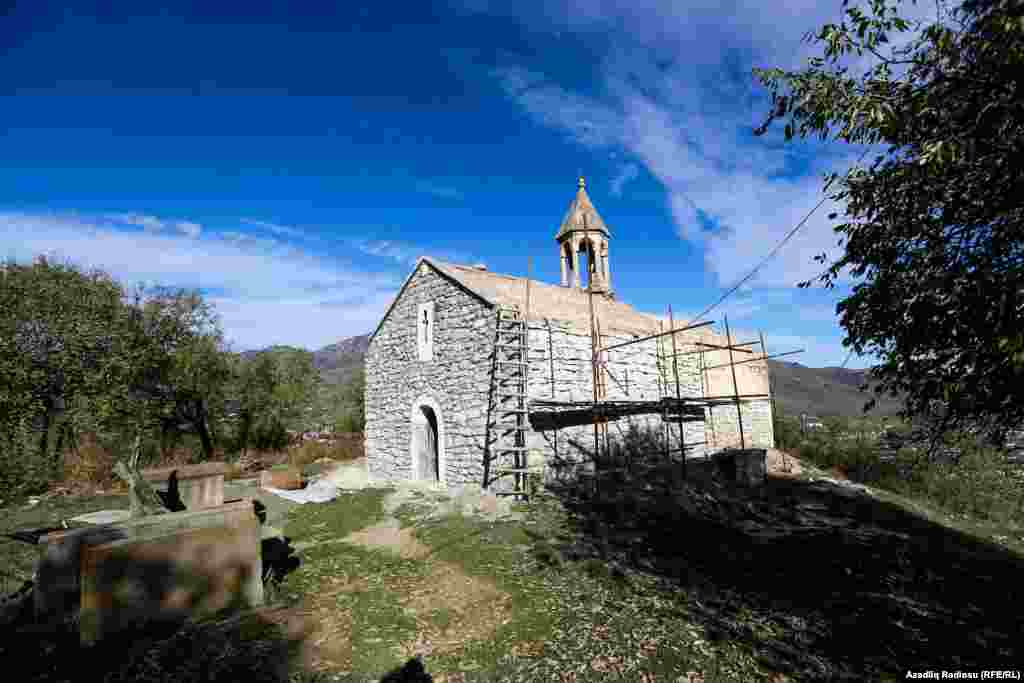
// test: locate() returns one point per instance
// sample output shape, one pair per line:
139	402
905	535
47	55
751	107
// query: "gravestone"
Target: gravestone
197	486
170	550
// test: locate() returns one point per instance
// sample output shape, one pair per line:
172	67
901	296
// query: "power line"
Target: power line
771	253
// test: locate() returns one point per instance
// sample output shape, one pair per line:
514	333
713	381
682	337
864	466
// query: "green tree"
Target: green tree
173	354
276	390
253	391
298	383
57	354
77	353
932	231
351	415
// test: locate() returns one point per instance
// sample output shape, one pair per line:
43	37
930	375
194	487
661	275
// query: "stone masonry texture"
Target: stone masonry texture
458	380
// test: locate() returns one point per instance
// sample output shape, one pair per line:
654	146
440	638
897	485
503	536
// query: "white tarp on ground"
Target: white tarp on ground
316	491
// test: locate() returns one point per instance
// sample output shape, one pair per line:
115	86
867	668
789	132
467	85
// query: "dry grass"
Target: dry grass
473	609
90	467
341	447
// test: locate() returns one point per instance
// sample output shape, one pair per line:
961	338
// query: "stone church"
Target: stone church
473	375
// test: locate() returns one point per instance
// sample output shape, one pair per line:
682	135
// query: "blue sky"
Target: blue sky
293	161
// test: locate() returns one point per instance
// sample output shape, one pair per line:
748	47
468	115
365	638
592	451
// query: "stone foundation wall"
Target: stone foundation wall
457	379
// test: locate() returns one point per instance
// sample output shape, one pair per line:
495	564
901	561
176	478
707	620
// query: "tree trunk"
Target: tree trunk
44	441
245	420
142	497
203	429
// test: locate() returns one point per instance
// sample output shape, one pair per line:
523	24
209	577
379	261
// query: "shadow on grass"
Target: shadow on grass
817	580
144	639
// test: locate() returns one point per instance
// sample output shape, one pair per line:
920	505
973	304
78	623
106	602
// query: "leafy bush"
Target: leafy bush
269	435
786	429
981	485
21	474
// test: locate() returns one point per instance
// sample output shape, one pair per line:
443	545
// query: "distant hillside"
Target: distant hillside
798	389
337	362
824	391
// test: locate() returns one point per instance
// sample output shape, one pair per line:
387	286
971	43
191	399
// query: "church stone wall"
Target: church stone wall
457	379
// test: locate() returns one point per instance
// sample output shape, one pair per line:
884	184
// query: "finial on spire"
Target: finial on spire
583	183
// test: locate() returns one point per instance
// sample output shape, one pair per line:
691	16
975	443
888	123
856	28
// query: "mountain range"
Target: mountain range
797	389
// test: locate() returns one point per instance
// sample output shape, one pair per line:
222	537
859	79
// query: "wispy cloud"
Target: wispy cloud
676	94
188	228
151	224
714	172
267	291
587	120
441	191
407	253
275	228
627	173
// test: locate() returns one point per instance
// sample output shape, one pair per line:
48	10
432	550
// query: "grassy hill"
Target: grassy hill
824	391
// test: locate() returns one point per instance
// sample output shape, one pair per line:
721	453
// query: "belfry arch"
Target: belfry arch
583	246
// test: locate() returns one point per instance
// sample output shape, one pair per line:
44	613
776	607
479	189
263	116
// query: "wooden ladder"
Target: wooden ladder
508	411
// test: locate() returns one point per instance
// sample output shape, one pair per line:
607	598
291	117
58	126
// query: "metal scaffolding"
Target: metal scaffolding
671	405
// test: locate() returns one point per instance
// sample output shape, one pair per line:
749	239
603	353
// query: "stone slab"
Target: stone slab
103	517
198	471
58	569
288	480
236	512
200	486
188	573
57	586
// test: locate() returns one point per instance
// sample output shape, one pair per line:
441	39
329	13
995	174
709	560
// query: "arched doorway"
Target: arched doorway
427	441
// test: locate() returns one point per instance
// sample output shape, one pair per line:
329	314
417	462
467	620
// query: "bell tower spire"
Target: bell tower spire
583	231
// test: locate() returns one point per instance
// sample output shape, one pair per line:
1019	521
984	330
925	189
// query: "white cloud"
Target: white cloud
440	191
407	253
281	230
589	122
189	229
399	251
148	223
266	291
679	98
627	172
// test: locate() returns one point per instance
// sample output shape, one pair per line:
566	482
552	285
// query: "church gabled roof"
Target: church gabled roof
581	216
566	305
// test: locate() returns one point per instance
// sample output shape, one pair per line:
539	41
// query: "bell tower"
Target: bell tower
583	232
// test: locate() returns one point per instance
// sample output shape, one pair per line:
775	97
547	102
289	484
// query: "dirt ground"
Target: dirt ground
447	605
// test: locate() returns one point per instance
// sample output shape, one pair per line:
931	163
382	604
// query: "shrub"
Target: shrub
22	473
981	485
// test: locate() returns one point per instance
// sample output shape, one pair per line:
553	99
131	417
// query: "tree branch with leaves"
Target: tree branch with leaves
932	228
